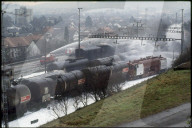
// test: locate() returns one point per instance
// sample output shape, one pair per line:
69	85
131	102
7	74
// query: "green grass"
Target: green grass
165	91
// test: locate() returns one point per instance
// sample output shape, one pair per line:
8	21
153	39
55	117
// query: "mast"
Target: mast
79	26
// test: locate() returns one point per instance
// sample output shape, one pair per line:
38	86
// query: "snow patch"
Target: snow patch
45	115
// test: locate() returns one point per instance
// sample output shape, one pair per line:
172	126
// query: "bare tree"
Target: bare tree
118	87
76	102
94	96
84	98
59	107
114	86
65	104
55	109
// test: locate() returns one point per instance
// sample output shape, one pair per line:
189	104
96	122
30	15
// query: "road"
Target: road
26	67
175	117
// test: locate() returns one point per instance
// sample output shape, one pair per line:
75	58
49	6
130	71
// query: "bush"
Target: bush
185	57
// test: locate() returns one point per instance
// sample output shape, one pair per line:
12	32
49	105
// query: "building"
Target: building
18	48
23	15
13	31
107	31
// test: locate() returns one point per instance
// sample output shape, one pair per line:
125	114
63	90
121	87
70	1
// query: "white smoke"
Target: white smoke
135	49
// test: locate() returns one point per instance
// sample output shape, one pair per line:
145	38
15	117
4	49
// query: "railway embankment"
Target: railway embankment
165	91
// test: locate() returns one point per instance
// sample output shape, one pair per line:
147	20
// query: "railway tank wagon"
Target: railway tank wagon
91	79
96	77
83	58
18	97
68	65
70	84
78	64
119	72
41	88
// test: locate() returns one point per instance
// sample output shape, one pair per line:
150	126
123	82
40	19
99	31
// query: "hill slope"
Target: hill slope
165	91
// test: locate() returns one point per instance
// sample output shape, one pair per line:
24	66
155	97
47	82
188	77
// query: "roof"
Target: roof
148	59
105	29
20	41
6	68
48	29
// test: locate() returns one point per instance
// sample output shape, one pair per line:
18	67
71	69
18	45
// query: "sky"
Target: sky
61	7
108	4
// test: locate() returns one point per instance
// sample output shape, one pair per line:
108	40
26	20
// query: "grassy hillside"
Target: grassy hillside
165	91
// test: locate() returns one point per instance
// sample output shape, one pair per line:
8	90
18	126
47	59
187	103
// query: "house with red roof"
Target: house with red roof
18	48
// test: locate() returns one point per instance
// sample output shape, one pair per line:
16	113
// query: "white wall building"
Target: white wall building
23	15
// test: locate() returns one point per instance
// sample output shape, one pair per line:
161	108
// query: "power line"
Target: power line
133	38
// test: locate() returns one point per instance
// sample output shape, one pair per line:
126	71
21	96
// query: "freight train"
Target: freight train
39	90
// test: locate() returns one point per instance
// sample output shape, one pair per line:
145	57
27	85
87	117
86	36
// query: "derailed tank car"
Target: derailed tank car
68	65
18	97
78	64
41	89
84	57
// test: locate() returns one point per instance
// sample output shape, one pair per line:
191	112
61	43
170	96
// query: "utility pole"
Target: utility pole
138	27
2	34
4	84
47	37
79	26
146	10
45	55
182	34
145	20
159	30
173	55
